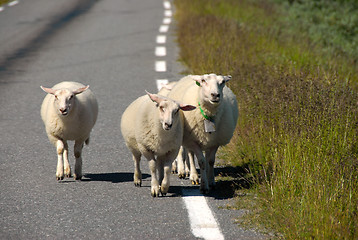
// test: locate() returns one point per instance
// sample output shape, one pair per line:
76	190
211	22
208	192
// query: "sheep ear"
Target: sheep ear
80	90
168	87
227	78
198	79
48	90
154	97
186	107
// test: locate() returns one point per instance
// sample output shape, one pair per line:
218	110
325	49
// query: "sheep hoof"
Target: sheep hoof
196	182
155	191
204	191
77	177
155	194
138	184
181	176
68	175
58	178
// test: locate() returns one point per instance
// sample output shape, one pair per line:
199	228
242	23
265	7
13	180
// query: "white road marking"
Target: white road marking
161	83
166	5
168	13
163	28
160	51
13	3
167	20
161	39
160	66
202	221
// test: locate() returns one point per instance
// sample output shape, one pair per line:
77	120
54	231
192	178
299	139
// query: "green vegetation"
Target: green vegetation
3	2
297	134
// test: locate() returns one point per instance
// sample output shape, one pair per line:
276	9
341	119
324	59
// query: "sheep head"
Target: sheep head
212	86
168	110
64	98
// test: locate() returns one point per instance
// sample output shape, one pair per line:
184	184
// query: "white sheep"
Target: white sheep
69	112
154	130
213	122
184	163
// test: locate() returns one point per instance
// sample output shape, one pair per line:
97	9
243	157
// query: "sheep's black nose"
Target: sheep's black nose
63	111
215	95
168	126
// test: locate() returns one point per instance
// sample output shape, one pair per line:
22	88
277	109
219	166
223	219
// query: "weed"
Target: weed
297	134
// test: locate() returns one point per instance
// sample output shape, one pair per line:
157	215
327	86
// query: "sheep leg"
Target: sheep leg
210	156
194	177
153	171
160	169
59	169
186	164
78	155
154	183
166	165
67	168
204	186
137	172
180	160
174	166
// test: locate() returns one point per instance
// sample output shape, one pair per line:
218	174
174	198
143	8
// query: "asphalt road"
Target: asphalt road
108	44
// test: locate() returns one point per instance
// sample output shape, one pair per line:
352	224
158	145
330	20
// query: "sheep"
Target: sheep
184	161
213	122
156	132
69	112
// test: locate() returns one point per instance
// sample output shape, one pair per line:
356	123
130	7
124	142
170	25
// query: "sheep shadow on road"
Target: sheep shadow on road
227	180
111	177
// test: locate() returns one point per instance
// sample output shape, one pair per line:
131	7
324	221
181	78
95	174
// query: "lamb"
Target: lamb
156	132
69	112
184	161
209	126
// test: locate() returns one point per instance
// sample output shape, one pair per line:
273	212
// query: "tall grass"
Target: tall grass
3	2
298	125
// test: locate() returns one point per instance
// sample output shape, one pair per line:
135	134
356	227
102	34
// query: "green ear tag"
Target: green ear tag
197	83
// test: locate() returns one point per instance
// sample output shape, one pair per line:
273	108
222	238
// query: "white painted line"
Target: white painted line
161	39
1	9
168	13
160	51
160	66
161	83
164	28
167	20
13	3
202	221
166	5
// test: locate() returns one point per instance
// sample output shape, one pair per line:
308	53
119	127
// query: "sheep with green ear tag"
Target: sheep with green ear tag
212	124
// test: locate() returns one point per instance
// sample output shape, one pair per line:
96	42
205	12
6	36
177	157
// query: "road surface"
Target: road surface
112	46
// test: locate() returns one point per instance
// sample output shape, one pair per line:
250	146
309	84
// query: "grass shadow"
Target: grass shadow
228	180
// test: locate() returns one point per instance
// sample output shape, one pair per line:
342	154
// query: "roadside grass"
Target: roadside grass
3	2
297	134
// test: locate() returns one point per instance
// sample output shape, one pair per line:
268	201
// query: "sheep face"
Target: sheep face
64	98
212	86
168	110
167	113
